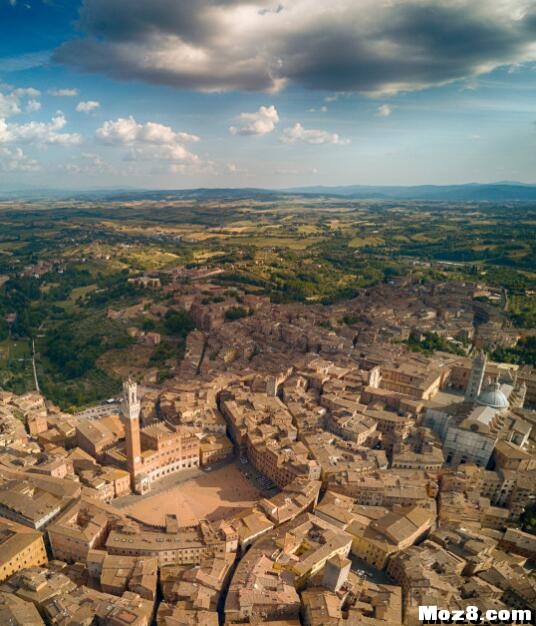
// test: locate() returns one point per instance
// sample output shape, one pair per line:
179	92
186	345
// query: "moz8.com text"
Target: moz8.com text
473	615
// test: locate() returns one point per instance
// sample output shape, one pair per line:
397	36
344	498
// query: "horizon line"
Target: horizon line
38	188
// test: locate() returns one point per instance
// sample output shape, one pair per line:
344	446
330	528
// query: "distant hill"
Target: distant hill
473	192
124	195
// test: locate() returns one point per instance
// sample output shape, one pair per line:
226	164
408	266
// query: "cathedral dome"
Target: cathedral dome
493	397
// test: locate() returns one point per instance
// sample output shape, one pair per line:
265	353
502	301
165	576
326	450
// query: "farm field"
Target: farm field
314	249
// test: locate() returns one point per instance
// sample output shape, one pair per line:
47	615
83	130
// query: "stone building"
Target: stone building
154	451
20	547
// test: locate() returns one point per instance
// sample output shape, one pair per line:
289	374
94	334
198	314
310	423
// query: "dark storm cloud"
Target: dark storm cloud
117	20
416	45
367	46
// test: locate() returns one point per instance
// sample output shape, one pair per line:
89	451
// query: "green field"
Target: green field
312	249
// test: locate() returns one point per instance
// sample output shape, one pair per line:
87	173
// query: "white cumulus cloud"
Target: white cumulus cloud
313	136
147	141
262	122
38	132
27	92
127	130
12	101
33	106
9	105
384	111
87	106
15	160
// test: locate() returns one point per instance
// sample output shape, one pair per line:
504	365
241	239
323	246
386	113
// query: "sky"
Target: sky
261	93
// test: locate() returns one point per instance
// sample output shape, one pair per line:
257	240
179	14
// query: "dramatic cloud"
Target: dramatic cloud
63	93
300	134
147	141
384	111
38	132
261	122
367	46
87	106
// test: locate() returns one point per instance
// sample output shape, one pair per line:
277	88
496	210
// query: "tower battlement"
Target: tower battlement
130	404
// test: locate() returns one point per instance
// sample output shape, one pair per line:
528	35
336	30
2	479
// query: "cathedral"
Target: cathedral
490	411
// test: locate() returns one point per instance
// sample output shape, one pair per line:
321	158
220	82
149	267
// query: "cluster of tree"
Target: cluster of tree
522	310
4	329
17	296
528	519
432	342
66	282
524	353
350	319
162	353
236	313
212	299
72	395
178	323
73	351
111	287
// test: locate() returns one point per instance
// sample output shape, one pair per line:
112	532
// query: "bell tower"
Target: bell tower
476	377
130	408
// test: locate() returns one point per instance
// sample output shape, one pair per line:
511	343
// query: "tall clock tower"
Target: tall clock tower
130	408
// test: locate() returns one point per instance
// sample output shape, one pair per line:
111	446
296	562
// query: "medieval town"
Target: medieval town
293	470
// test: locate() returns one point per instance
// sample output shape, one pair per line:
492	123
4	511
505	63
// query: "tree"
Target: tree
236	313
178	323
4	329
